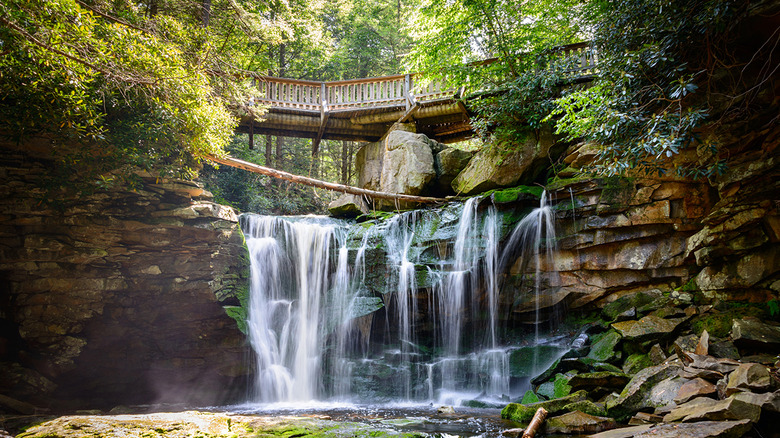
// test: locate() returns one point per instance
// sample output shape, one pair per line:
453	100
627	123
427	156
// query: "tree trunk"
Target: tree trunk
269	151
535	423
205	12
345	162
251	167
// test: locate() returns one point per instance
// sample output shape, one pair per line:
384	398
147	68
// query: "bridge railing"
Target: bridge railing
572	61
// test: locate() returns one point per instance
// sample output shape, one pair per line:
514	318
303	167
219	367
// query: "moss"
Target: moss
529	397
523	413
719	324
587	407
603	348
514	193
561	386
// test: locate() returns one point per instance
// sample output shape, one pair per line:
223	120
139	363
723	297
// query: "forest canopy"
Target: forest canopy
122	85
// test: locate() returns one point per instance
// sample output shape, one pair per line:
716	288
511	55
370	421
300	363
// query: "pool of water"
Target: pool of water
462	423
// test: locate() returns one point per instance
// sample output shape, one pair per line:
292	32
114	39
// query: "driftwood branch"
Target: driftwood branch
251	167
535	423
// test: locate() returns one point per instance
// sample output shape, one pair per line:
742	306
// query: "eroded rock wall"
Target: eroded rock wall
117	297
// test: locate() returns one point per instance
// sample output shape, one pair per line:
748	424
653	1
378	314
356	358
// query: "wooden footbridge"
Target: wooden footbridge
365	109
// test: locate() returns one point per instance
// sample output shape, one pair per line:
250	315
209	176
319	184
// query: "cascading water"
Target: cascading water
315	321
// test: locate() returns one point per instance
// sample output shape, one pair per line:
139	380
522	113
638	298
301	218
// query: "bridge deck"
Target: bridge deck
364	109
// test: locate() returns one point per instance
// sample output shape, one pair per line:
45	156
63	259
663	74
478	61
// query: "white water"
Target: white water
305	283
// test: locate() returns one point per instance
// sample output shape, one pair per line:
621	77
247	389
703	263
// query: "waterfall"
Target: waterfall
418	324
533	240
291	275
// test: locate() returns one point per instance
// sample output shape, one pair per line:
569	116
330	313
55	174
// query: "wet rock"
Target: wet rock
348	206
724	349
523	413
624	432
636	395
702	408
627	315
15	405
645	418
517	431
768	402
603	349
656	355
703	346
686	342
694	373
751	332
695	388
702	429
760	358
587	407
529	397
643	299
445	410
199	424
636	362
749	377
714	364
599	379
648	328
577	422
524	361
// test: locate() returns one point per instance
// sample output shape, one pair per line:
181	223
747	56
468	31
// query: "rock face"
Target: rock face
407	166
117	296
493	167
408	163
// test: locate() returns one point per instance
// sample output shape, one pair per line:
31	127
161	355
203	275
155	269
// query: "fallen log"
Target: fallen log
535	423
298	179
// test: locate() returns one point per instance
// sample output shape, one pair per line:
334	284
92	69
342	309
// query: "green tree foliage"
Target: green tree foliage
654	56
116	97
500	50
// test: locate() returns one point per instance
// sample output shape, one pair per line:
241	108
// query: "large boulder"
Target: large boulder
523	413
348	206
448	164
577	422
637	394
505	166
368	165
751	332
407	166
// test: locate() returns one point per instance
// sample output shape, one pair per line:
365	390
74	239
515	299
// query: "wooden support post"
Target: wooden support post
408	90
252	133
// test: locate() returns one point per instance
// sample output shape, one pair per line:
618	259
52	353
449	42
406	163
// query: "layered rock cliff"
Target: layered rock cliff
116	297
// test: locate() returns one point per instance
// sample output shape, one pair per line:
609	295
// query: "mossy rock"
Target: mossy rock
527	361
607	379
529	397
515	193
644	300
636	362
561	387
587	407
718	324
524	413
603	348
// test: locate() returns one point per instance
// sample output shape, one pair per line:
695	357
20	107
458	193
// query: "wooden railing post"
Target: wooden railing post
408	90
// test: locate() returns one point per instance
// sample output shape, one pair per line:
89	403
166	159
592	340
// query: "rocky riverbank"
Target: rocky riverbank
665	369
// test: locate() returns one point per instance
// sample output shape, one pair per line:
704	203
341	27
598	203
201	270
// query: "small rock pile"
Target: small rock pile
654	367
